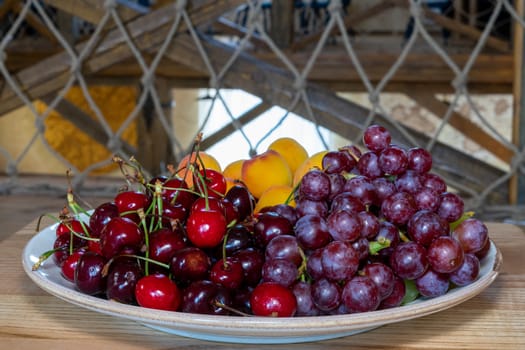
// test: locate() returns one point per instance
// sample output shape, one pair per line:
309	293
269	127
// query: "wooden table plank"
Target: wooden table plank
32	319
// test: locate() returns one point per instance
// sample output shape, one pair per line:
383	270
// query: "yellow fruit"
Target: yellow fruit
274	195
315	161
291	150
265	170
233	172
205	159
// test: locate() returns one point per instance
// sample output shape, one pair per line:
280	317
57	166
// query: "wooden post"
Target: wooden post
153	151
517	184
282	22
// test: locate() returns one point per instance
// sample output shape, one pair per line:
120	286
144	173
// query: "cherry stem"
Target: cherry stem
39	222
231	309
194	149
204	188
76	208
105	269
157	202
291	195
142	217
43	257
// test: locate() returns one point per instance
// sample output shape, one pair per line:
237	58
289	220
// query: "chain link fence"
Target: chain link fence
238	45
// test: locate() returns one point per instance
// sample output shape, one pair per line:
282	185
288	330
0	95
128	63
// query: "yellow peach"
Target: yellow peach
233	172
265	170
294	153
204	160
274	195
314	161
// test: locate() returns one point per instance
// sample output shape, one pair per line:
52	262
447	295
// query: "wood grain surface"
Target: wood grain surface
32	319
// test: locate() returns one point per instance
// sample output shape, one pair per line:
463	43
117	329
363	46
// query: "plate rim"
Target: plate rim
256	326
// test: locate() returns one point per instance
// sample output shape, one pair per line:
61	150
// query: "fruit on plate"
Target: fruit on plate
277	194
283	234
312	162
199	160
292	151
264	171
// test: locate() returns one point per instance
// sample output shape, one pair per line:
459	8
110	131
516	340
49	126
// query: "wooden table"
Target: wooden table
32	319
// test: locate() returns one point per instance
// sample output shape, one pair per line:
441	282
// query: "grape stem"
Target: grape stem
375	246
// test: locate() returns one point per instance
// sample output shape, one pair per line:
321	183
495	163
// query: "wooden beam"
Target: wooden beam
51	74
460	123
466	30
229	129
277	87
5	7
150	31
85	123
91	11
350	21
35	22
227	27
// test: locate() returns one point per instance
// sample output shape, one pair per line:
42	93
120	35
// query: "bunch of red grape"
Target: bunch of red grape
372	229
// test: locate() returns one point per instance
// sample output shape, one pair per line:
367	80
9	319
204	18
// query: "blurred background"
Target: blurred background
84	80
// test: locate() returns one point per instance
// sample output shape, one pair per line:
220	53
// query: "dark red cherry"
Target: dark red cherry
270	225
164	243
206	297
120	234
252	262
88	274
122	278
227	273
242	199
101	216
230	211
173	213
174	191
190	264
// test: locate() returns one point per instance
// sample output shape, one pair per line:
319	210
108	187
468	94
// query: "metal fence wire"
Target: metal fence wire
233	44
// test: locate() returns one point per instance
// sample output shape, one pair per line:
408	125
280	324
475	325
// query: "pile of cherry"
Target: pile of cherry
372	229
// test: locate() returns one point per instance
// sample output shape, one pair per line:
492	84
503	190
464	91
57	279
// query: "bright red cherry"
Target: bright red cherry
68	268
72	225
62	247
207	204
206	229
94	246
158	292
129	202
215	183
273	299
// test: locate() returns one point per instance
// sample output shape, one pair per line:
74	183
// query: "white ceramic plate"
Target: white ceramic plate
259	330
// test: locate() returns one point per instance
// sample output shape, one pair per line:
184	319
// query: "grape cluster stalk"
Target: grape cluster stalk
372	228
